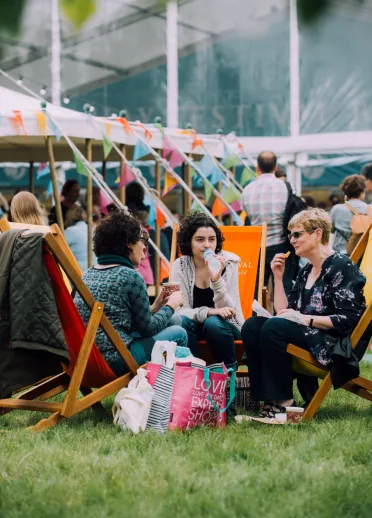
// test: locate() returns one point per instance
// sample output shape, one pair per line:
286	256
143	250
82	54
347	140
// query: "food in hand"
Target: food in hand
287	254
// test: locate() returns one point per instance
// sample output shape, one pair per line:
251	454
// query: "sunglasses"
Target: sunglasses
296	235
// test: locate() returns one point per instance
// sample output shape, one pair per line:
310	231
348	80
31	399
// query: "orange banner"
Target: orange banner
219	207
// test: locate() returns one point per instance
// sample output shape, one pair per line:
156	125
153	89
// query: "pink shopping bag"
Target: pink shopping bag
198	398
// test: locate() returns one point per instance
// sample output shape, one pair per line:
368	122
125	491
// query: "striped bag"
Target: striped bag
161	379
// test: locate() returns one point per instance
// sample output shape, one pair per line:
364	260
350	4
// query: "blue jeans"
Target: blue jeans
219	335
141	348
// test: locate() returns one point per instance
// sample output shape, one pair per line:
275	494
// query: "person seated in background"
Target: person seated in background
119	245
367	173
69	197
341	214
211	310
309	200
76	235
328	301
25	208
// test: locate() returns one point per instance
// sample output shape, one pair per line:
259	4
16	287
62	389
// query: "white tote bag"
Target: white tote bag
132	404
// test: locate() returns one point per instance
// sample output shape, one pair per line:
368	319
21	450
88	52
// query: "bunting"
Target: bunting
55	129
105	201
218	207
17	122
208	192
49	190
160	218
152	212
127	127
246	176
107	145
195	206
243	215
196	141
126	176
231	161
80	166
231	195
170	153
237	205
206	165
140	149
148	134
108	127
41	122
169	183
216	175
43	170
164	271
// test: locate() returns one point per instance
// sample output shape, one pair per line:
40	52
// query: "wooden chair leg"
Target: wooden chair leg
44	424
98	408
359	391
318	398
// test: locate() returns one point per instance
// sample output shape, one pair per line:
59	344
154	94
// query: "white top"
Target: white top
226	289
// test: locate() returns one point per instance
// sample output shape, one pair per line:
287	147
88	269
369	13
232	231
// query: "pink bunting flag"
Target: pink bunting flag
105	201
127	176
167	147
176	159
237	205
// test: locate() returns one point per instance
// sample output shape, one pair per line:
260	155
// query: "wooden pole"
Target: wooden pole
53	175
157	229
32	178
122	165
88	153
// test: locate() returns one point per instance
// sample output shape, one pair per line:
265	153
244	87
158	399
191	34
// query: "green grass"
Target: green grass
86	468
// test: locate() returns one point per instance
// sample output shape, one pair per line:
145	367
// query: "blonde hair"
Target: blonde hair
311	220
75	214
25	208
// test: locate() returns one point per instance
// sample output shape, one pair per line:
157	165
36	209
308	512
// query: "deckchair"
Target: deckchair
249	243
87	369
304	363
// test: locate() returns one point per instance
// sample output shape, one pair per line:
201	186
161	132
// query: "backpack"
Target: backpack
359	224
294	206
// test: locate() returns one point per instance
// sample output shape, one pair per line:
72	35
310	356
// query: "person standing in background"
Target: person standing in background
69	197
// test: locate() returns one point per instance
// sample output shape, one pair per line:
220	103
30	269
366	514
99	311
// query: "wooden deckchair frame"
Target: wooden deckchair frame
36	397
305	363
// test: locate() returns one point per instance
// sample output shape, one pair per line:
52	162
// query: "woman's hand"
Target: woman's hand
224	313
295	316
175	300
159	302
278	266
216	276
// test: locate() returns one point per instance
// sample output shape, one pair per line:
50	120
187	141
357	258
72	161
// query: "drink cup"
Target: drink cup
170	287
294	414
282	417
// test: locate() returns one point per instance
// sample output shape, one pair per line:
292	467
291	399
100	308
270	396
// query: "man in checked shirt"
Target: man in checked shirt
264	200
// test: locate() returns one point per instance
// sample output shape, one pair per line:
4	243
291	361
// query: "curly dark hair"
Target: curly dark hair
353	185
115	233
188	228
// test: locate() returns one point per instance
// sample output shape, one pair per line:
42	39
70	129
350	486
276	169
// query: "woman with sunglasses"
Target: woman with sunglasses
319	315
120	246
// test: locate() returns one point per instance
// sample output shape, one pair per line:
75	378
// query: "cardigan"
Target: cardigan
226	289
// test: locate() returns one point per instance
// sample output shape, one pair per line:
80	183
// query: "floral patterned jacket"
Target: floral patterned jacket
337	293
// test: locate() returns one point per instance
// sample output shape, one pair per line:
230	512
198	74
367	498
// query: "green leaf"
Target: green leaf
78	11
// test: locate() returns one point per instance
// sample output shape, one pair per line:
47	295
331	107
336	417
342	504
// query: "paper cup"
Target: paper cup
294	414
282	417
170	287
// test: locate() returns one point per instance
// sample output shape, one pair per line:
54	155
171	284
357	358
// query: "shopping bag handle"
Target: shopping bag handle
232	389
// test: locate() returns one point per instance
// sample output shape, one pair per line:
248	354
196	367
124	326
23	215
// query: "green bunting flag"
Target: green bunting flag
208	191
195	207
231	195
80	166
107	145
247	174
231	161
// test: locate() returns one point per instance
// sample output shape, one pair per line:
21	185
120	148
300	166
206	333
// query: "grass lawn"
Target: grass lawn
85	468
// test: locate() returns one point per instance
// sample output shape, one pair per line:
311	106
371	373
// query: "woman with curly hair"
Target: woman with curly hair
119	245
211	309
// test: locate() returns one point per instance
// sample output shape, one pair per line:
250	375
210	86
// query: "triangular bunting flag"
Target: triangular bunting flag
243	215
231	161
246	176
80	167
197	141
18	122
218	207
169	183
160	218
127	176
140	149
216	175
195	206
44	169
152	212
164	271
107	145
105	201
206	165
167	148
123	121
236	205
108	127
176	159
208	191
49	190
231	194
55	129
41	122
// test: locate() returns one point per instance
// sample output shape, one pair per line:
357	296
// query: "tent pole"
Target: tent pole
295	96
32	178
157	229
53	175
122	166
172	64
88	153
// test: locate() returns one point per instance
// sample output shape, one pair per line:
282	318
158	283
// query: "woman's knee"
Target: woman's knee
252	329
175	320
215	324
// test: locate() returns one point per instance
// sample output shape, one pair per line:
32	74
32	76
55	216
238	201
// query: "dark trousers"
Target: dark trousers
269	365
219	335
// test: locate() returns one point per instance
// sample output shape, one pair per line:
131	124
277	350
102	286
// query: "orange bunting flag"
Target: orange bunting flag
164	271
197	141
169	183
41	122
160	218
218	207
243	215
17	122
148	133
108	128
240	146
123	121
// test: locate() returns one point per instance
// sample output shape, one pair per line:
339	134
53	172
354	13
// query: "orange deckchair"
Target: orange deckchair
304	363
87	369
249	243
